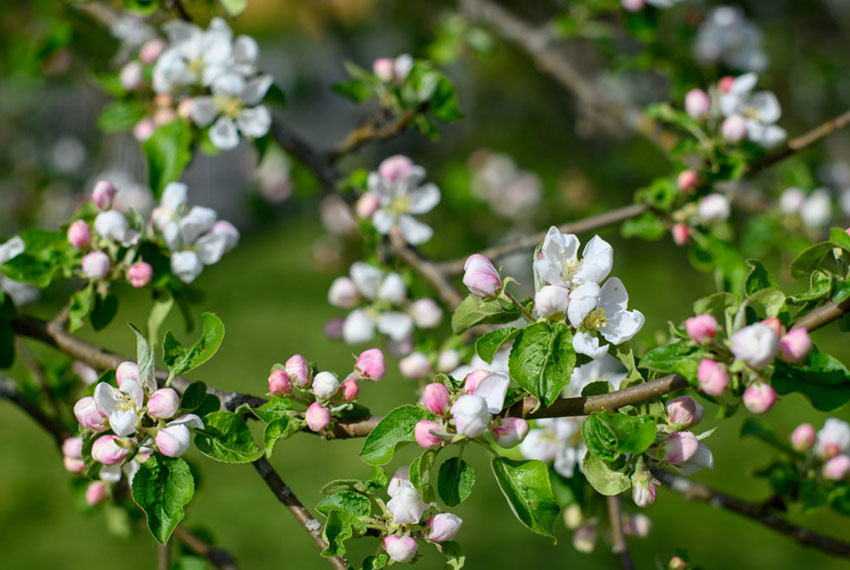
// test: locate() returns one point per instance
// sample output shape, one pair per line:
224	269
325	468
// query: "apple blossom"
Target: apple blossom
235	107
383	69
72	452
370	365
89	415
107	450
712	377
143	130
358	327
510	432
96	492
638	525
558	441
551	301
687	180
837	468
387	69
121	406
350	389
493	389
442	527
470	415
448	360
679	447
558	262
697	104
317	416
714	208
584	537
756	345
833	438
401	196
605	369
792	200
643	490
127	370
425	433
401	475
633	6
481	277
795	345
726	36
415	365
473	378
79	234
406	505
734	128
151	50
436	398
684	411
603	310
426	313
400	548
103	194
803	437
817	209
194	56
131	76
758	111
702	459
701	328
298	370
139	274
163	403
96	265
325	385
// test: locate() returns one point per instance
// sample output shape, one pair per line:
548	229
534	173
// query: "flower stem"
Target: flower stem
525	312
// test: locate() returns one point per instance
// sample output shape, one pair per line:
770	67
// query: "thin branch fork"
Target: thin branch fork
619	543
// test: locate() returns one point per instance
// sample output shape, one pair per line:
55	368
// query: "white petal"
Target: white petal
230	84
549	271
743	84
393	289
613	297
395	325
12	248
186	265
256	89
106	398
245	51
174	196
358	327
204	111
189	420
123	423
383	221
424	198
254	122
197	222
413	231
766	107
367	278
622	326
110	473
586	344
493	389
211	247
179	31
223	134
597	260
583	300
133	389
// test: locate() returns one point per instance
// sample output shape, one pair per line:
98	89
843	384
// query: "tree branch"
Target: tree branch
754	511
372	130
9	390
218	557
619	544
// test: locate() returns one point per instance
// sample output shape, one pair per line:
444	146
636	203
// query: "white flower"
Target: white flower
833	438
21	293
471	416
401	196
406	504
756	345
726	35
325	385
792	201
358	327
714	208
760	110
603	310
551	300
195	56
556	440
559	264
605	369
371	283
112	225
493	389
235	102
817	209
120	405
702	459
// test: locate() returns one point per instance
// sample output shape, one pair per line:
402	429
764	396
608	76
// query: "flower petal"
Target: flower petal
395	325
493	389
424	198
586	344
254	122
413	231
367	278
204	111
256	89
597	261
223	134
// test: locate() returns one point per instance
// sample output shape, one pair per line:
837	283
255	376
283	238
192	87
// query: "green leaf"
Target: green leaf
163	301
180	360
634	433
120	116
455	559
45	253
168	152
375	562
234	7
354	89
226	438
476	310
420	474
81	304
525	484
280	428
488	345
455	481
839	237
275	408
718	304
351	502
542	360
602	477
678	357
7	334
146	362
193	396
647	226
823	379
162	487
600	437
339	527
104	310
767	302
397	427
811	258
758	278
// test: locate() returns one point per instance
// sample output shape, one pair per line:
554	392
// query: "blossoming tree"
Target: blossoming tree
544	381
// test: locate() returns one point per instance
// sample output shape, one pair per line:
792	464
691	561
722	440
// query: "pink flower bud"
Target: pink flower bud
127	370
131	76
279	383
318	417
637	525
734	128
103	194
470	415
96	265
139	274
426	313
424	436
395	167
759	398
643	489
472	379
184	108
72	447
370	365
511	431
415	365
367	205
350	389
756	344
163	404
795	345
96	492
74	464
151	50
442	527
298	370
677	563
333	328
774	324
89	415
712	378
107	451
684	411
163	99
630	6
174	440
803	437
697	104
725	83
584	537
701	328
448	360
481	277
551	300
680	447
163	116
837	468
400	548
383	69
681	234
144	130
687	180
79	234
436	398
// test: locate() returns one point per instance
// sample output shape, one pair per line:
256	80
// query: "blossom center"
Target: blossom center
195	67
596	319
230	106
400	205
569	267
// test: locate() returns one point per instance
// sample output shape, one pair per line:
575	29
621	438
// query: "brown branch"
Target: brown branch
163	556
218	557
427	270
285	495
9	391
619	544
30	362
754	511
823	315
372	130
802	142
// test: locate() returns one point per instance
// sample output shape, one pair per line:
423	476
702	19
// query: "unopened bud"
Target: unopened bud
107	451
481	277
442	527
424	433
298	370
370	365
701	328
680	447
759	398
174	440
367	205
697	104
551	301
803	437
510	432
687	180
795	345
415	365
436	398
151	50
343	293
96	492
734	128
318	417
79	234
103	194
684	411
131	76
426	313
279	383
89	415
163	403
400	548
350	389
139	274
325	385
143	130
448	360
712	377
837	468
383	69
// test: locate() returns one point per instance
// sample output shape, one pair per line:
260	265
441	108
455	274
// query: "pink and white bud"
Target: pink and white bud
426	313
279	383
792	201
298	370
395	167
73	447
402	66
96	492
74	464
139	274
318	417
712	377
184	108
163	404
638	525
470	415
163	116
833	438
103	194
837	468
400	548
775	324
96	265
630	6
229	231
415	365
474	378
143	130
424	433
151	50
680	447
350	389
803	437
383	69
107	451
687	180
174	440
510	432
367	205
584	538
677	563
734	128
759	398
697	104
448	360
442	527
551	301
684	411
795	345
643	489
127	370
89	415
714	208
370	365
681	234
131	76
756	345
401	475
325	385
406	505
436	398
701	328
343	293
79	234
481	277
725	83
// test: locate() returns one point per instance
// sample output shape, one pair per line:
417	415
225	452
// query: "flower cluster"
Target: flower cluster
393	70
814	209
829	447
727	36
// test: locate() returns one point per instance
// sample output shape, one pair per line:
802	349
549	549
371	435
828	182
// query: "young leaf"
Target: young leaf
81	304
677	357
455	481
280	428
823	379
351	502
475	310
488	345
273	409
145	361
339	527
104	310
603	477
168	152
226	438
542	360
397	427
420	474
181	360
525	484
162	487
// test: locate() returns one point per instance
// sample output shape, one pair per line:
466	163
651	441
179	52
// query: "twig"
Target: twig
285	495
218	557
755	511
823	315
9	391
619	544
372	130
802	142
163	557
427	270
35	368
